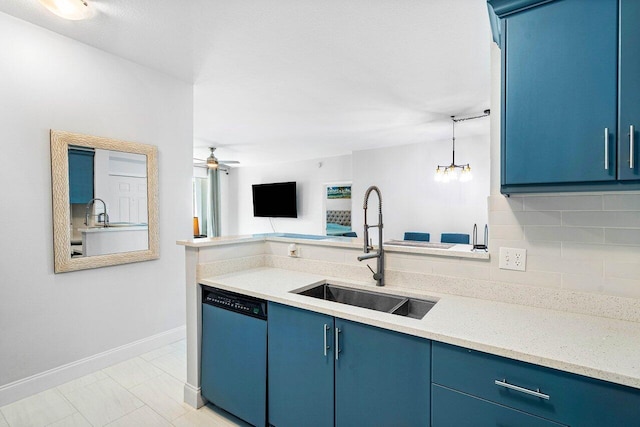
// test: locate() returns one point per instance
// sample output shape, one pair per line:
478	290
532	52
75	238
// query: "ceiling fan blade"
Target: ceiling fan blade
232	162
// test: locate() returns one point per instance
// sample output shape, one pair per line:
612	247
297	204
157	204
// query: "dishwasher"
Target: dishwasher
234	354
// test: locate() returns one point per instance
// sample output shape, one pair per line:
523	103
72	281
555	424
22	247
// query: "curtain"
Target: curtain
213	203
200	191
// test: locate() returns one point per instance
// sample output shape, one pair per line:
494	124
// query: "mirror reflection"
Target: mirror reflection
105	201
108	201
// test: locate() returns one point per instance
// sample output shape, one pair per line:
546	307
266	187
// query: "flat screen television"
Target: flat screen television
276	200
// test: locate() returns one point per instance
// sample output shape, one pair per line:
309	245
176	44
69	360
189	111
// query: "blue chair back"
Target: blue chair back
416	236
350	234
454	238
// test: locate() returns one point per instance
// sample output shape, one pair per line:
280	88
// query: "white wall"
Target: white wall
49	81
310	176
412	200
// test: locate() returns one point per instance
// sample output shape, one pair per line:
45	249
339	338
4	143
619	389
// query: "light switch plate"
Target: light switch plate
513	259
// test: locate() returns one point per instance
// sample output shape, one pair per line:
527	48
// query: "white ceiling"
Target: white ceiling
298	79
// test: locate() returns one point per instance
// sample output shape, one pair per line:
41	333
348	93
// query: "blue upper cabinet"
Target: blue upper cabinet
628	168
80	175
568	96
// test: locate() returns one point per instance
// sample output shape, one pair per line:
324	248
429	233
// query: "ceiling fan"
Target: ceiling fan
212	162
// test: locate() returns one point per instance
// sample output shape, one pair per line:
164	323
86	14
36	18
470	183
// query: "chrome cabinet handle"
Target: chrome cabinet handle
631	144
337	342
535	393
326	347
606	148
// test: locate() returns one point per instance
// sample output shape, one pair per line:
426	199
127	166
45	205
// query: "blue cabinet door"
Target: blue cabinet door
382	377
234	363
560	93
80	176
629	91
454	409
301	368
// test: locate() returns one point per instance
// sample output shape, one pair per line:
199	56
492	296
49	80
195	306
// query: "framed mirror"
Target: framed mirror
105	201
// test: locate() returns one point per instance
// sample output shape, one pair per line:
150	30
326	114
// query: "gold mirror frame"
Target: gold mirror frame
60	142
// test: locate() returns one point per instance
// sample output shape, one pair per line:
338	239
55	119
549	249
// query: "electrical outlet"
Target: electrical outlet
513	259
292	250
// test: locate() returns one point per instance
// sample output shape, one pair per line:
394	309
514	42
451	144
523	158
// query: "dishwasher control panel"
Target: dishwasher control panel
244	304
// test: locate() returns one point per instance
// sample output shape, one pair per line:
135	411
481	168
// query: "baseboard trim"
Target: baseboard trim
193	396
25	387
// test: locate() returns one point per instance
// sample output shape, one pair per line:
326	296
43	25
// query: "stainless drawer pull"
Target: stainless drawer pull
535	393
326	347
337	347
606	148
631	144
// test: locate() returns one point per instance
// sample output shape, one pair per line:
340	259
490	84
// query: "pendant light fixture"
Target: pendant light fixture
73	10
453	172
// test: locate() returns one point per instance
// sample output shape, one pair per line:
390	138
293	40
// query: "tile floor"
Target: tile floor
143	391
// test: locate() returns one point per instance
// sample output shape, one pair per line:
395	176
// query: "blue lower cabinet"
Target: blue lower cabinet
382	377
233	374
379	377
454	409
300	371
551	394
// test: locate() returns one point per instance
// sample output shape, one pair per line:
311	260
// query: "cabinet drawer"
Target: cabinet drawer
454	409
572	399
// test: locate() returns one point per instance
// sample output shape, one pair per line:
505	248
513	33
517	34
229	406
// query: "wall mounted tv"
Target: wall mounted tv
276	200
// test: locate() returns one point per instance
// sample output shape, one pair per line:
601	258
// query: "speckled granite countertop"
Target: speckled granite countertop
593	346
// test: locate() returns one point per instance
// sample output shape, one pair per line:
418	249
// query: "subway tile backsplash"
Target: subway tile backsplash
622	202
564	234
622	236
562	203
577	242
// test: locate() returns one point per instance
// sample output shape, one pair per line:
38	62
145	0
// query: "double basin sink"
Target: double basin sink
394	304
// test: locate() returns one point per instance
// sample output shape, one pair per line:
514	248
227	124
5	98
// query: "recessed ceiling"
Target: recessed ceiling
297	79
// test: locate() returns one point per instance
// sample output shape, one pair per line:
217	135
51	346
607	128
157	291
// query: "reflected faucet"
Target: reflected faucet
378	275
104	213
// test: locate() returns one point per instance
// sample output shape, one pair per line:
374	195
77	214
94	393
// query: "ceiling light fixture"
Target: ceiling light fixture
212	162
455	172
73	10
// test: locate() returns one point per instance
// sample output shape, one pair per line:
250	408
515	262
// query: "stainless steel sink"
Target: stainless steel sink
414	308
395	304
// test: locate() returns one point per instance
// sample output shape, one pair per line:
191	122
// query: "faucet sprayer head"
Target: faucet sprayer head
366	198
